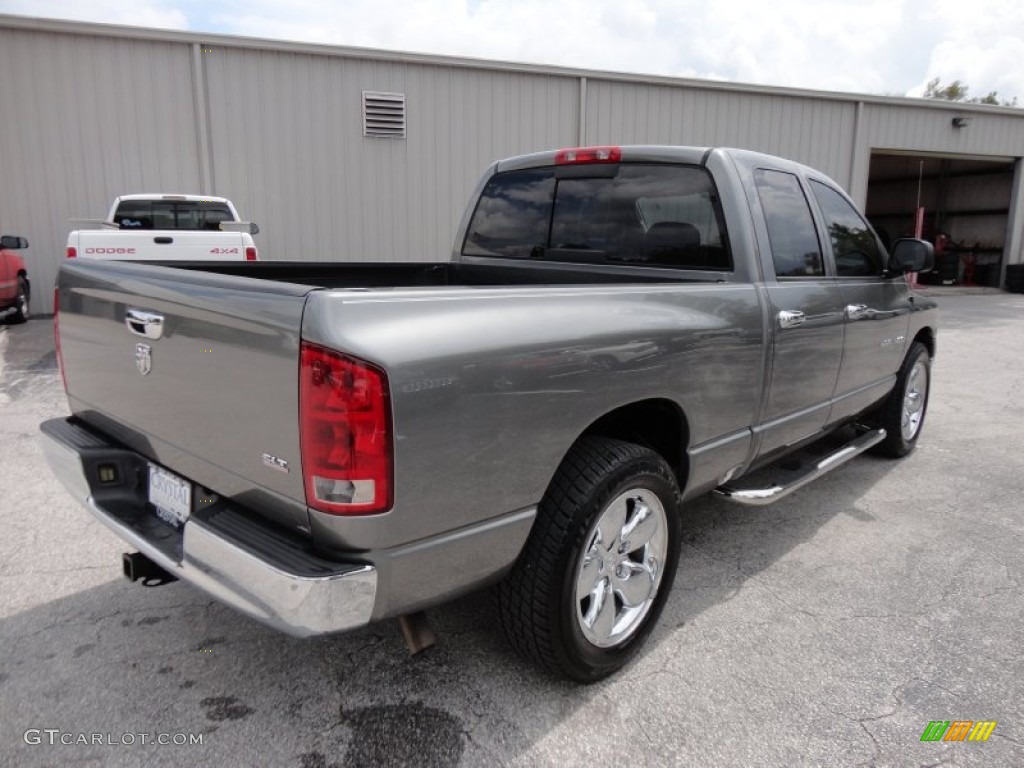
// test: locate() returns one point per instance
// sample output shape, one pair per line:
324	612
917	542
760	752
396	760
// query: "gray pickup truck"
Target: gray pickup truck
323	445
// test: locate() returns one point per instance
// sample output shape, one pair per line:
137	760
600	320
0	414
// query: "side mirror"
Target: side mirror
911	255
255	229
12	243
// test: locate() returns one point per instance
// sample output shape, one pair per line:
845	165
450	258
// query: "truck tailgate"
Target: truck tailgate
196	371
161	245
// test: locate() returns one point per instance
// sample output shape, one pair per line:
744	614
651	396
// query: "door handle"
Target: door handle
149	325
790	318
860	312
163	240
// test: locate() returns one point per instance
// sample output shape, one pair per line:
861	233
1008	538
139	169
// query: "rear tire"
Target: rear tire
598	565
902	414
21	305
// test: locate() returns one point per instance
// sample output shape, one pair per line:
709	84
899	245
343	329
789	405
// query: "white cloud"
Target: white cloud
138	13
873	46
838	46
748	40
982	46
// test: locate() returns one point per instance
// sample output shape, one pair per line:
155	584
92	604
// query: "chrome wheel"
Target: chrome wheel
915	395
902	413
621	567
598	565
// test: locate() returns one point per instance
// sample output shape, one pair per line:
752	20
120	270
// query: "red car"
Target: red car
15	291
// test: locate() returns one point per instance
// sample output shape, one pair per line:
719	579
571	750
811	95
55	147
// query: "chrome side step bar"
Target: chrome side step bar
760	497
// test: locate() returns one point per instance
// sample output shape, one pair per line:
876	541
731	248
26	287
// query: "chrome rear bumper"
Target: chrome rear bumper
297	592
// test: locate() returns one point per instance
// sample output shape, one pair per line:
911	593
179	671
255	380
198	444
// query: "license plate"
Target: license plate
170	495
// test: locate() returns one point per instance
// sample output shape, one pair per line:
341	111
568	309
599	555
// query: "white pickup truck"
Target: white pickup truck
153	227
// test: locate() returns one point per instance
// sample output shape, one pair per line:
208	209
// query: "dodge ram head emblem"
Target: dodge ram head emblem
144	358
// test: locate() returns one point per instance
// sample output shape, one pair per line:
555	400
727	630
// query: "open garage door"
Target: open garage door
966	202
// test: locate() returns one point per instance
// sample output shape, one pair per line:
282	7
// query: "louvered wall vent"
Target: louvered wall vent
384	114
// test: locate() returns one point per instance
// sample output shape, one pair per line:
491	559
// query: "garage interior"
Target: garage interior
966	202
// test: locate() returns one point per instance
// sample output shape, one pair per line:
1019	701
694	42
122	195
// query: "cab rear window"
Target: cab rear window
171	214
642	214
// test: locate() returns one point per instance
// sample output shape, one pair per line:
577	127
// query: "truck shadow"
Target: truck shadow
123	659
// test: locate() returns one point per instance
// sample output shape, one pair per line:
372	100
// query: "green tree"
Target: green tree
957	91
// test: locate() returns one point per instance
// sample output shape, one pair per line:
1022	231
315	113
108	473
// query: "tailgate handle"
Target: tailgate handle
163	240
149	325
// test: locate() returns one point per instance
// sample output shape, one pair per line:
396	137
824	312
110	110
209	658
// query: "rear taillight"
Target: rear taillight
344	433
72	252
588	155
56	337
250	253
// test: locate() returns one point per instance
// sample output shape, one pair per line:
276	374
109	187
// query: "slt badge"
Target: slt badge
144	358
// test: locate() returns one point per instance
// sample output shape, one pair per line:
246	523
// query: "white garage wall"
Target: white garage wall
86	119
812	130
288	146
105	110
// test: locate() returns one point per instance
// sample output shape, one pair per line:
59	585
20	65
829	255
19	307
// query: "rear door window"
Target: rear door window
796	251
644	214
171	214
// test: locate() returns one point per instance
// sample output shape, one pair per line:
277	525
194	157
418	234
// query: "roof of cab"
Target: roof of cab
172	197
653	153
631	153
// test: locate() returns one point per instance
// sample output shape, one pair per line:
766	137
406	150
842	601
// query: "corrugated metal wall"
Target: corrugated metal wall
914	129
277	127
288	148
931	130
813	131
86	119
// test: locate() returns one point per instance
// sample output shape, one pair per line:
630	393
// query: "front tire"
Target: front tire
598	565
902	414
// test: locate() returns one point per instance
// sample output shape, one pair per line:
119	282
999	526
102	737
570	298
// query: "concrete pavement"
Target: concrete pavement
826	630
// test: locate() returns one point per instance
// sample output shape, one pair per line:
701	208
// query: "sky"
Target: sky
882	47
